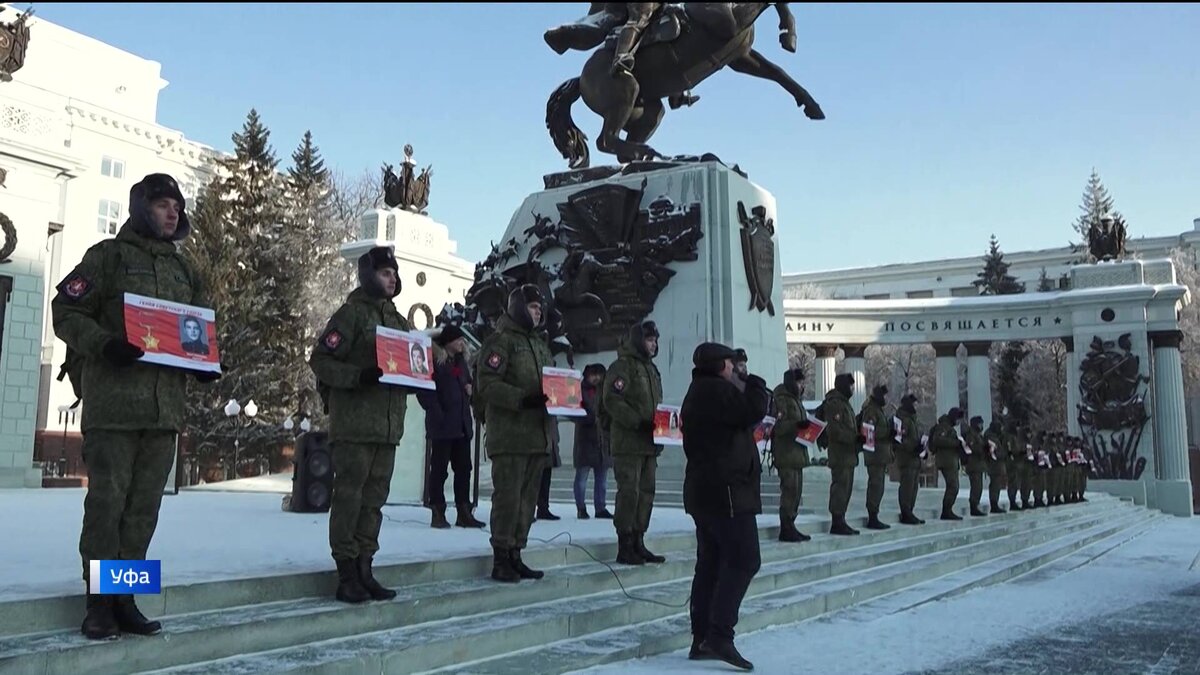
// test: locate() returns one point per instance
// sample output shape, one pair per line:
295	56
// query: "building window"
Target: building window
113	168
391	227
109	218
964	292
877	296
920	294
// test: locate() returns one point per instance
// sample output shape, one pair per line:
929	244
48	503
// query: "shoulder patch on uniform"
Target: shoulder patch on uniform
618	384
75	286
332	339
494	360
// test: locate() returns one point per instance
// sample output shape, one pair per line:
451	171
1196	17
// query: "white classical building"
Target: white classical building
953	277
77	129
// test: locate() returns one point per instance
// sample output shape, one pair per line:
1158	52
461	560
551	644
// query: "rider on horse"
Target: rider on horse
633	19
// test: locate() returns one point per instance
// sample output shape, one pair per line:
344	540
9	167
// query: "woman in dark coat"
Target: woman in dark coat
449	428
591	452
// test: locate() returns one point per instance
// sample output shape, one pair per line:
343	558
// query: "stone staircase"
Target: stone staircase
449	617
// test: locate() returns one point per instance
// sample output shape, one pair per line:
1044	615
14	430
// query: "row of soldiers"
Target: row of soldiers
1048	469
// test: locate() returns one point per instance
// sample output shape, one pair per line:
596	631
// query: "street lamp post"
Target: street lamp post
290	426
231	410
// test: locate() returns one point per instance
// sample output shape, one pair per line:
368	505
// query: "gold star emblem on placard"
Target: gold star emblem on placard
392	365
149	340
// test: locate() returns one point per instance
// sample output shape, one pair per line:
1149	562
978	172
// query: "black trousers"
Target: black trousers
727	558
544	491
445	454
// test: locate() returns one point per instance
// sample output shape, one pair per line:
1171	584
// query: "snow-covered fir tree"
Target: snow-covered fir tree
1095	204
994	278
253	275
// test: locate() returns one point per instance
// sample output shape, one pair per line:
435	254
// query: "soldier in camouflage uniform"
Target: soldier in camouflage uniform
518	437
1016	460
791	456
947	448
996	443
976	462
908	459
844	440
1028	469
134	410
632	391
877	462
366	422
1041	471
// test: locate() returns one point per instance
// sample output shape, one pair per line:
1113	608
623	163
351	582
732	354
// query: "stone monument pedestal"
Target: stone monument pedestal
690	246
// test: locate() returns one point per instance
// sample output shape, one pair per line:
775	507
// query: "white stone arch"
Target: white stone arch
1138	298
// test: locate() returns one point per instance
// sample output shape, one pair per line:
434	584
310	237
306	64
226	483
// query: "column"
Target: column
1072	385
979	381
856	365
1170	425
825	371
947	376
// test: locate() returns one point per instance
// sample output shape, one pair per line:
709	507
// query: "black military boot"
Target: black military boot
907	518
366	578
949	514
438	521
699	652
640	542
976	511
544	514
840	526
581	513
605	514
725	651
130	619
627	553
466	518
100	624
521	568
873	523
996	508
502	567
349	588
788	532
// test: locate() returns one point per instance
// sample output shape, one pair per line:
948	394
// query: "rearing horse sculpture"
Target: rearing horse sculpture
713	35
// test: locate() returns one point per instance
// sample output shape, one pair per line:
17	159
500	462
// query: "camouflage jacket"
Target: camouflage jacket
632	392
943	441
509	369
842	430
977	460
875	415
789	412
910	443
1000	440
358	414
89	310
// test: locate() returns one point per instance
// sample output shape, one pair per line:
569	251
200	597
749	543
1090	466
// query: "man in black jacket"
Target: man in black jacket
721	492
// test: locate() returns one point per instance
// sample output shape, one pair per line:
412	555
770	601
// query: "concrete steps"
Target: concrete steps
765	608
449	613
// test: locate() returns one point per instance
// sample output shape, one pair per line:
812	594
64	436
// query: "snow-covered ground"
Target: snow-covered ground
1132	610
206	535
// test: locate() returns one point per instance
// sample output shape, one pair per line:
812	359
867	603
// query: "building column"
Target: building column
979	381
1072	384
1170	425
856	365
947	377
825	370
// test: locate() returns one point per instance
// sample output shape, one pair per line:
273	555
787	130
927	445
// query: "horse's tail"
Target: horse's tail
568	138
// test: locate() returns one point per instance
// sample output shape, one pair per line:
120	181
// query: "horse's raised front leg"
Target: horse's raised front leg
757	65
